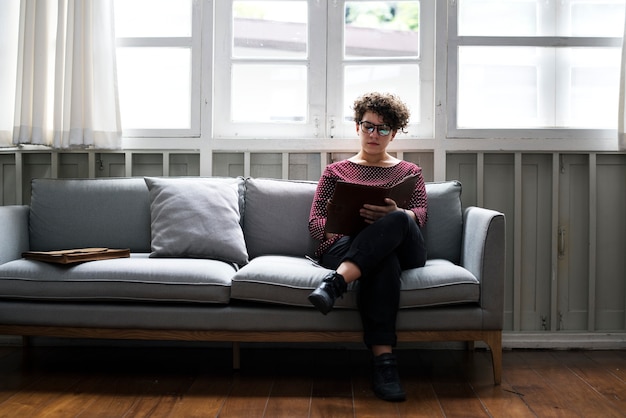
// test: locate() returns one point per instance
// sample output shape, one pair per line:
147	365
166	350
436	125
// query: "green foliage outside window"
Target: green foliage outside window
387	15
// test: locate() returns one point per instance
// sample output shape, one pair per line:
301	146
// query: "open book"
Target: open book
77	255
348	198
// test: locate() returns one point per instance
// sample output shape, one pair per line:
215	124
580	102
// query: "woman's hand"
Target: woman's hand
372	213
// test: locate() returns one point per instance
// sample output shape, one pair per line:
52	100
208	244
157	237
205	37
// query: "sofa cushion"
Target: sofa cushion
138	278
196	217
289	280
276	217
439	282
283	280
444	229
112	213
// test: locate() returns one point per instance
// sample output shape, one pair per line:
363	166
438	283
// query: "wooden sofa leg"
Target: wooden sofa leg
236	355
494	341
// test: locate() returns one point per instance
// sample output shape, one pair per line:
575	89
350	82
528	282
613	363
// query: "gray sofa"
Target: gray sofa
225	259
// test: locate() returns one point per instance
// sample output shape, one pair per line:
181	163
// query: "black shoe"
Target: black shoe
332	287
385	380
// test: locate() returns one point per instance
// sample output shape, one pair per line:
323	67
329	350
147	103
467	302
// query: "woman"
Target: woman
391	242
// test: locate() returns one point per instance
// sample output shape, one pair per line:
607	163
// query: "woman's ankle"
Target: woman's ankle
349	271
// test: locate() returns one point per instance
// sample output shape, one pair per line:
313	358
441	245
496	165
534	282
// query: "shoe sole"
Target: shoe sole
319	303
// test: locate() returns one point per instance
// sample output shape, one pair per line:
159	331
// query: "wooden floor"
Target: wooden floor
199	382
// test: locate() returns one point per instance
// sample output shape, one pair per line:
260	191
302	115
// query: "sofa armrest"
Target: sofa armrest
14	227
483	254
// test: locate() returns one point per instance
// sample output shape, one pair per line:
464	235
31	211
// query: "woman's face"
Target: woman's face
376	141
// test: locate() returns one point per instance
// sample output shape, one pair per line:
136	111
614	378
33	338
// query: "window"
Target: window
292	68
278	68
523	65
158	67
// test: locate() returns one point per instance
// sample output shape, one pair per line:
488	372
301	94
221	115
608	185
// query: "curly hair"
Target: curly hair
393	111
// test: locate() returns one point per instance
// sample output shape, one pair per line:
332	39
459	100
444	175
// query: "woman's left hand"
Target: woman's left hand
372	213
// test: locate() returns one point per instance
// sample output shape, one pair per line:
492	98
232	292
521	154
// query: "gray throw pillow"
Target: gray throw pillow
197	218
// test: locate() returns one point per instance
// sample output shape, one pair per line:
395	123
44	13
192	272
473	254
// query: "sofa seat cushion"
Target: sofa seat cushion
439	282
138	278
282	279
289	280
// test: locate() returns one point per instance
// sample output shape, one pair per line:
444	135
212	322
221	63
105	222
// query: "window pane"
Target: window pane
541	18
382	29
500	87
155	87
516	87
499	17
153	18
269	93
402	80
591	87
594	18
275	29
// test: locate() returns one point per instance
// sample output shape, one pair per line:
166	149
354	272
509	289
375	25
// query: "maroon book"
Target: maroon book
348	199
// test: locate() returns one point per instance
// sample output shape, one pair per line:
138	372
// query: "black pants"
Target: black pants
381	250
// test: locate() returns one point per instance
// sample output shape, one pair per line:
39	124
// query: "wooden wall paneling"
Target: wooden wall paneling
8	180
573	267
149	164
184	164
610	249
228	164
304	166
109	164
426	160
73	165
498	191
536	242
34	165
463	167
266	165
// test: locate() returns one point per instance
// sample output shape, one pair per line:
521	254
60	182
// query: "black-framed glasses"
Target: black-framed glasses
383	130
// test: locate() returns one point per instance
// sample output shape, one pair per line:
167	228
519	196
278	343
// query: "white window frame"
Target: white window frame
325	57
455	41
426	61
223	126
194	44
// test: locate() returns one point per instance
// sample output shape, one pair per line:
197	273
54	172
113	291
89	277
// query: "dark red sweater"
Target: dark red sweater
356	173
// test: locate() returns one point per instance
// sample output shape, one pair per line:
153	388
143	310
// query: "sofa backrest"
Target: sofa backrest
276	217
112	213
115	213
277	212
444	229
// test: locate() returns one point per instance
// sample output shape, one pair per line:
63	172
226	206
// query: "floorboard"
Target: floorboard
173	381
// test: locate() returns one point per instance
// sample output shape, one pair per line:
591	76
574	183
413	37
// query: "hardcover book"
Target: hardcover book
348	198
77	255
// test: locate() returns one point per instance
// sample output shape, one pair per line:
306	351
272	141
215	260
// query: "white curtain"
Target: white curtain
66	90
621	123
9	19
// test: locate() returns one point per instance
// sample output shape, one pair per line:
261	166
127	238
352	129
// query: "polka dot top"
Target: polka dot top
369	175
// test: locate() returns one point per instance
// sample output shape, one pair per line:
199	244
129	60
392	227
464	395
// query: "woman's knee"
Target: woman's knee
398	217
398	222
